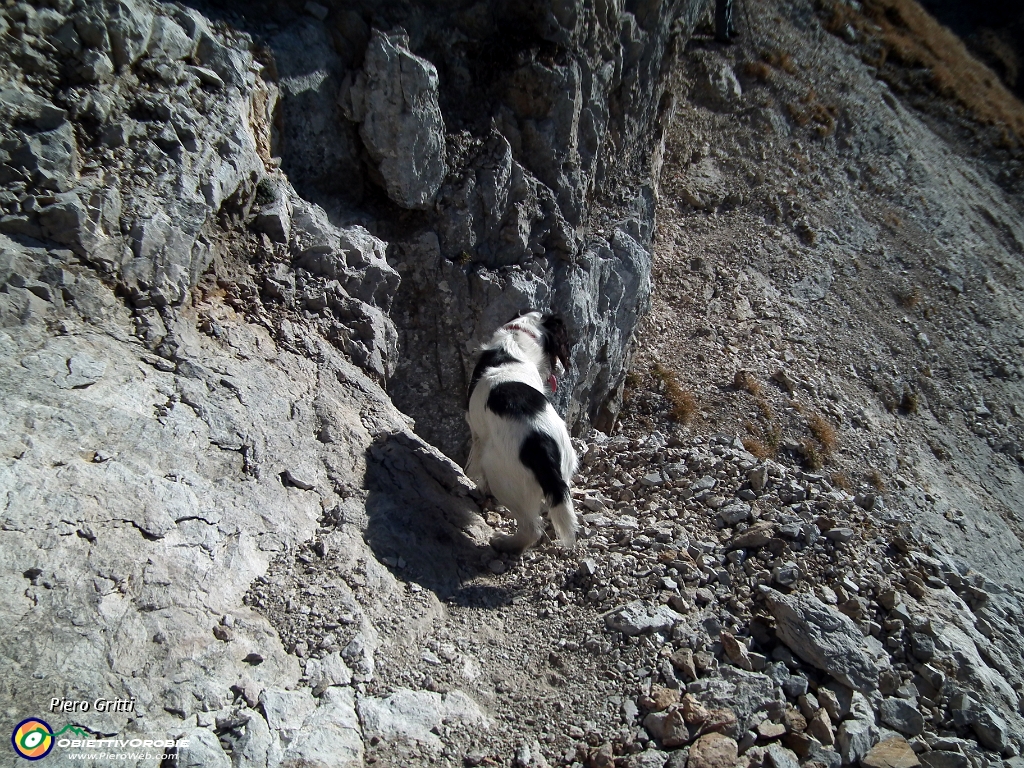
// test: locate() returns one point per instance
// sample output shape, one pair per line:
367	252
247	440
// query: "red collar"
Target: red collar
528	331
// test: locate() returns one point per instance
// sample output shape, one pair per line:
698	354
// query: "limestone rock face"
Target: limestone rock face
174	179
415	716
138	518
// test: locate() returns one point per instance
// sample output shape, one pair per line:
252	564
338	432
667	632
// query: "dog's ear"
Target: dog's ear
556	339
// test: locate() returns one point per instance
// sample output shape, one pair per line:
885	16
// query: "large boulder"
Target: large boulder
824	637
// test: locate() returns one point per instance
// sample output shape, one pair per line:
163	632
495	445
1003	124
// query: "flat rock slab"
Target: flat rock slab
822	636
414	715
713	750
287	710
901	715
330	735
891	753
755	537
637	618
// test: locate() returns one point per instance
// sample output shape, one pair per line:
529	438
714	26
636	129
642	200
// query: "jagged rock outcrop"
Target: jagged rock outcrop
393	98
134	200
550	136
139	168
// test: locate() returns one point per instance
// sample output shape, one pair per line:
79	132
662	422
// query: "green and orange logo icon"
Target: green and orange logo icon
32	738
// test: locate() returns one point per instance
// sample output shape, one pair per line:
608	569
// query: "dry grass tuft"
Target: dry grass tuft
756	448
745	380
908	299
757	70
824	433
765	408
874	478
892	220
764	439
909	402
817	450
683	403
842	480
781	60
902	31
811	110
813	455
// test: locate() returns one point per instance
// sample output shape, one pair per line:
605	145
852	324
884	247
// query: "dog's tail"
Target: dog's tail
563	517
542	456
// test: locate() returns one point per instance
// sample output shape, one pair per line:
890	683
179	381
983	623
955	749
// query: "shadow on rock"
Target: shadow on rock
422	519
481	596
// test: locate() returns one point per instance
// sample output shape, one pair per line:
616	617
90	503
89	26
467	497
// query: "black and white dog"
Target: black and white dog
521	452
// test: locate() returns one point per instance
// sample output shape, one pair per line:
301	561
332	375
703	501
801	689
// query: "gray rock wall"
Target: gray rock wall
501	145
549	198
529	155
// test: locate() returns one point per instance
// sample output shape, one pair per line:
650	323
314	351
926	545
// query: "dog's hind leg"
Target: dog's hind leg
529	529
541	454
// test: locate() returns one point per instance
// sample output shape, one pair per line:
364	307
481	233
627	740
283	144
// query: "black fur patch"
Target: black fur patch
556	340
490	358
515	400
540	454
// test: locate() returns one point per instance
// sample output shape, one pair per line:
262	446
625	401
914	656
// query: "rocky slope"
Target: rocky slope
225	285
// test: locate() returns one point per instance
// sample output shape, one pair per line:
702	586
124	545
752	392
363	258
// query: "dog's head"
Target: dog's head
548	330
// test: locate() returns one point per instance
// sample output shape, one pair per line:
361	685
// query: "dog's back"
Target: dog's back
521	450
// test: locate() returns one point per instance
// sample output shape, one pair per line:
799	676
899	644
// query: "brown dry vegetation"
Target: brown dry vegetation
683	403
756	448
824	433
901	31
810	109
813	456
757	70
908	299
745	380
781	60
764	438
874	478
842	480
